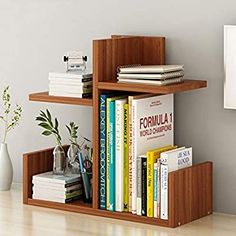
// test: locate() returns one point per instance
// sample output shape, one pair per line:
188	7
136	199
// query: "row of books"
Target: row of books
57	188
70	84
151	74
152	178
129	127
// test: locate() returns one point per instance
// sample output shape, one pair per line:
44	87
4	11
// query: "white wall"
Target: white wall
35	34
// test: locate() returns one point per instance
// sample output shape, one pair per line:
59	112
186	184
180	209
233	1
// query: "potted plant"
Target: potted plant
10	119
52	128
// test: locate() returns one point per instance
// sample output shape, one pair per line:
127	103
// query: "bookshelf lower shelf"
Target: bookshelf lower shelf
189	193
87	209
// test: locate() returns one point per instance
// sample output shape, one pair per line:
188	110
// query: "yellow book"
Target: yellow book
126	158
152	157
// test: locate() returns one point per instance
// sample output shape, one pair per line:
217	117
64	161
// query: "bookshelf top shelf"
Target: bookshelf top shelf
166	89
44	97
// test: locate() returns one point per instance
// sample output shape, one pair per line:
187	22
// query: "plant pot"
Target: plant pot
6	170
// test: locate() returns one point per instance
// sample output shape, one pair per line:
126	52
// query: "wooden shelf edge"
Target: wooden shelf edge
96	212
186	85
44	97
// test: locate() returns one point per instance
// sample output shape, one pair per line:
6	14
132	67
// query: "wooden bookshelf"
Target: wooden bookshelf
190	189
186	85
45	97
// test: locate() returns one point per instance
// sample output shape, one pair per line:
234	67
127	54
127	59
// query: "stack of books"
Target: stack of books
57	188
134	132
151	74
70	84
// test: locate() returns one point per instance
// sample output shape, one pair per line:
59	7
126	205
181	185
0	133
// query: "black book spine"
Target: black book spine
144	186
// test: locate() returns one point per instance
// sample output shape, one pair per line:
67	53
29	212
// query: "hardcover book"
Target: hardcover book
126	158
171	161
152	127
119	153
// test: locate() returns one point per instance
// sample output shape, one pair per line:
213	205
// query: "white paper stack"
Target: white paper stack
70	84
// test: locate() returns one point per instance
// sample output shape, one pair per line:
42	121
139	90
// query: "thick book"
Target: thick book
151	82
70	89
177	159
57	188
55	199
152	127
126	158
84	81
144	186
70	75
155	182
150	69
152	157
103	151
156	76
108	150
56	194
164	192
61	180
171	161
119	153
111	150
68	94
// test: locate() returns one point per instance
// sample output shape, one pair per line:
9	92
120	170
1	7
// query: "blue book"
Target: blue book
102	157
111	150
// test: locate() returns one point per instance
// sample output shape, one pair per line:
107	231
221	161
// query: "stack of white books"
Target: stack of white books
70	84
151	74
57	188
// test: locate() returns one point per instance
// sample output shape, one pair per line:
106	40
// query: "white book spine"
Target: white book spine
158	187
164	192
139	186
134	158
119	112
155	190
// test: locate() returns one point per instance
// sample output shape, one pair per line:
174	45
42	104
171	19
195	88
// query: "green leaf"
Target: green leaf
46	132
56	124
45	125
40	118
49	114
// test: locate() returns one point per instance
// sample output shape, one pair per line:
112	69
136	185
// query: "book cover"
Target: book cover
119	153
49	177
53	188
170	161
70	75
108	148
151	82
152	76
102	154
126	158
140	182
111	150
144	186
152	157
177	159
152	127
164	191
158	188
155	190
150	69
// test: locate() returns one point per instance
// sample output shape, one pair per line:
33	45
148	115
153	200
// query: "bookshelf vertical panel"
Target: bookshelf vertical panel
190	194
153	50
35	163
